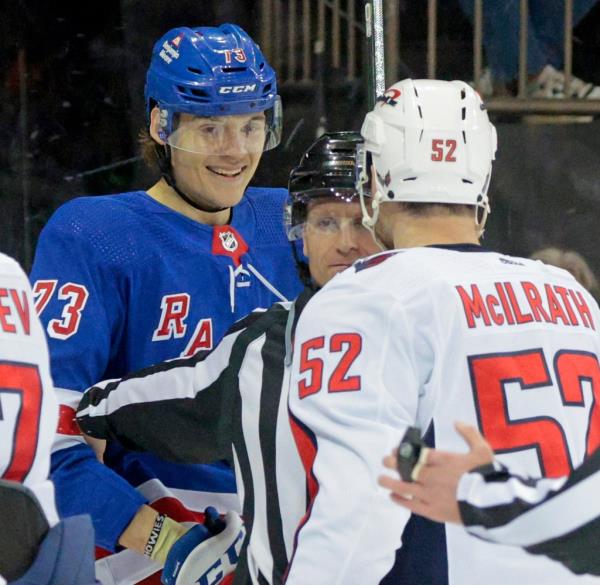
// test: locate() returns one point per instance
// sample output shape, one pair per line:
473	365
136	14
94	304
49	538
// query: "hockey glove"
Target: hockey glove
207	553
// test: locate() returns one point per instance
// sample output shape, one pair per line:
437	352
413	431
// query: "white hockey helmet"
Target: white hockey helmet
431	142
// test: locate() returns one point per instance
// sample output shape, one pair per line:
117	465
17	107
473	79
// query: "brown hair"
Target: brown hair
147	146
571	261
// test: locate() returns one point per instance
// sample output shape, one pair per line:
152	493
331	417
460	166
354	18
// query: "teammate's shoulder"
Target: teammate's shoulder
93	210
112	228
10	267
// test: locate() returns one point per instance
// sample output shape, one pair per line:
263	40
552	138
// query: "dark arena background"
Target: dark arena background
72	106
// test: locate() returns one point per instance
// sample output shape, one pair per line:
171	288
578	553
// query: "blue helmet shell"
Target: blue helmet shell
208	71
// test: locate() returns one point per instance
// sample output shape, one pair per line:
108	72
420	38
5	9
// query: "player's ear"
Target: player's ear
155	125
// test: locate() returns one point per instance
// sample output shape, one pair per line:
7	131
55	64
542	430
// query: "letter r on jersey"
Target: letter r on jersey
174	311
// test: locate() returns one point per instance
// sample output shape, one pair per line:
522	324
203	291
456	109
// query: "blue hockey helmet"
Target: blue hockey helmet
212	72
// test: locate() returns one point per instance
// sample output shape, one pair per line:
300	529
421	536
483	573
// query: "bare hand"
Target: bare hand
433	493
98	445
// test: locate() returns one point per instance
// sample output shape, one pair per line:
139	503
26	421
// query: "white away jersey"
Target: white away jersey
436	335
28	405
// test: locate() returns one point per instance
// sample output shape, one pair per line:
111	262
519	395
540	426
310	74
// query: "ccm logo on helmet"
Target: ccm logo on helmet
237	88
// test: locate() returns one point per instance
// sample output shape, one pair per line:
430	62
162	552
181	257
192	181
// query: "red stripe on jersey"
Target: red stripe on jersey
67	423
175	510
373	260
307	449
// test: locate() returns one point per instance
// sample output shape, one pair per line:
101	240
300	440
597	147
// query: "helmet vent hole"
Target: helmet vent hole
463	94
467	181
420	112
464	136
390	194
464	113
233	69
262	65
267	88
199	93
196	70
410	179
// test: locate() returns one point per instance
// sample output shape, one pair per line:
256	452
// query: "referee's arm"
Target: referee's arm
558	518
555	517
176	410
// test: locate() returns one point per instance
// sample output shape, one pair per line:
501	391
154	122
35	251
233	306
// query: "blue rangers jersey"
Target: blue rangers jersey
122	282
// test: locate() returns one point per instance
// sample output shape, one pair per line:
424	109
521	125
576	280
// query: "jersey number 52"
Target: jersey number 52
491	372
348	346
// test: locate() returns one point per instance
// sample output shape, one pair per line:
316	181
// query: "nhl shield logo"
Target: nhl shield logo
229	241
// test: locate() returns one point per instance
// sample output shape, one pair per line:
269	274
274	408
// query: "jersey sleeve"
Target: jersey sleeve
79	299
544	516
185	405
79	296
348	408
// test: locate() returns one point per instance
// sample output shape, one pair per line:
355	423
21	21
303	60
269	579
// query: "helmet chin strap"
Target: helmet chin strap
369	220
163	156
485	211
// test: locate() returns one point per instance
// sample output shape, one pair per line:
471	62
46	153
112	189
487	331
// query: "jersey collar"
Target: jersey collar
460	247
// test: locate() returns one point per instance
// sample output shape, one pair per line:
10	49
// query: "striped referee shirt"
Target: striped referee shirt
229	403
558	518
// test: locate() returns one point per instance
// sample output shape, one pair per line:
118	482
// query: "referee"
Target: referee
231	403
555	517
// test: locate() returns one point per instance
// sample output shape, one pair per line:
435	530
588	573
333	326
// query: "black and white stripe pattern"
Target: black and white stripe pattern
558	518
228	403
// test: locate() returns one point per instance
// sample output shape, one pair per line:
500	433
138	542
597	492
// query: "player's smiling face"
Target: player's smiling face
334	238
215	158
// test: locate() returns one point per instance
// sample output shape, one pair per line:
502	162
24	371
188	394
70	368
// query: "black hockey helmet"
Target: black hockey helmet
330	169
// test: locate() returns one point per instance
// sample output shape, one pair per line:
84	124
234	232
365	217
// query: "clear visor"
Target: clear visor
298	220
225	135
327	225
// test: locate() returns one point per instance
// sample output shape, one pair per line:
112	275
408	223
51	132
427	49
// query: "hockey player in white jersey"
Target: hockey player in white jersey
28	404
437	329
34	546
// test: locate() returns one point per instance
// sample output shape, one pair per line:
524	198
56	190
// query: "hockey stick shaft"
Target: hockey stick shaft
374	31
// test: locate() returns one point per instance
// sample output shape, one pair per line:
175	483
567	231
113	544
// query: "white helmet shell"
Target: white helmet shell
431	142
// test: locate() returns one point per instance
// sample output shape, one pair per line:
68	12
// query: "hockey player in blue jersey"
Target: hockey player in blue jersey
125	281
